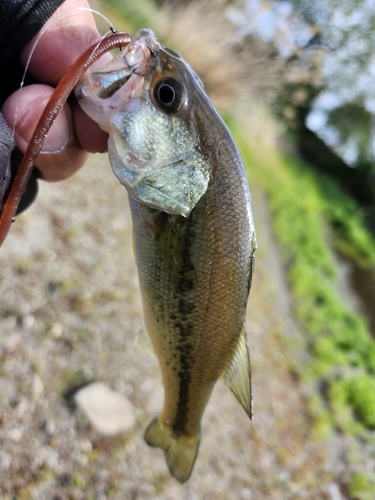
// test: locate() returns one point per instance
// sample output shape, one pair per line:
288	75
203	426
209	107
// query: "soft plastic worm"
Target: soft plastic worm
56	102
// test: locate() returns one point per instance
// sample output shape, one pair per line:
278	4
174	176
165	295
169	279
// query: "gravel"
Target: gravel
70	312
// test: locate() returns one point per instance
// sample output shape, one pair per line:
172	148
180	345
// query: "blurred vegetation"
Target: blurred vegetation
335	125
310	216
132	16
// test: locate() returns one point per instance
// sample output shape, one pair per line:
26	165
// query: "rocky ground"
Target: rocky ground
70	312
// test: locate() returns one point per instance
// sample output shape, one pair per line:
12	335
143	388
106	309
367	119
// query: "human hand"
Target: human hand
73	134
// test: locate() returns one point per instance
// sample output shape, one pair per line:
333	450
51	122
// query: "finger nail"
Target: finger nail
59	134
57	137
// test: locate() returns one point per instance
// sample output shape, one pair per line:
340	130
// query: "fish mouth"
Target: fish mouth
140	49
134	60
143	47
129	71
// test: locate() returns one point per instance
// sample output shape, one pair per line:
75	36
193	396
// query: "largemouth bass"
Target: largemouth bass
193	231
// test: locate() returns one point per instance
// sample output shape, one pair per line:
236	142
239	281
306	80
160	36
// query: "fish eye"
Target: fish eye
168	94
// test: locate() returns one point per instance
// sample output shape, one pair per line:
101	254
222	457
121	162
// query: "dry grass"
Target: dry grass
237	74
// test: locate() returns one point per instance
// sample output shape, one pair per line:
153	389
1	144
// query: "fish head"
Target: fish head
149	100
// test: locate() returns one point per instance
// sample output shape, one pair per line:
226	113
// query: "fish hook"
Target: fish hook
114	32
54	105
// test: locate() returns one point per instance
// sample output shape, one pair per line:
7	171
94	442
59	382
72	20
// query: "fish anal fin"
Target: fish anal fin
143	340
238	375
180	451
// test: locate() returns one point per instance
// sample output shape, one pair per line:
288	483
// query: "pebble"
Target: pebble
108	411
16	434
5	461
56	330
26	321
10	344
37	387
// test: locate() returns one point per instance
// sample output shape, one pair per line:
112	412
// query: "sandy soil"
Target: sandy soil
70	311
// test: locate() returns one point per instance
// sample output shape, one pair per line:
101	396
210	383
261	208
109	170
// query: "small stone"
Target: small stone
22	407
108	411
49	427
83	460
85	445
16	434
26	321
246	494
11	343
5	460
38	386
56	330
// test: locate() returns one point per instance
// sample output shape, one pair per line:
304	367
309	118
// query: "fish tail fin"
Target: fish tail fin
180	452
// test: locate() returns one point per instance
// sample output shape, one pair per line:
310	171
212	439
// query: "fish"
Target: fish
194	234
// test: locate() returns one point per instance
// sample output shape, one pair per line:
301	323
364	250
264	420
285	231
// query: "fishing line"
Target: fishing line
46	27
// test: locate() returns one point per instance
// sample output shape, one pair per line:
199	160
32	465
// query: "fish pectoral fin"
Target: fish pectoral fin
180	451
238	375
144	341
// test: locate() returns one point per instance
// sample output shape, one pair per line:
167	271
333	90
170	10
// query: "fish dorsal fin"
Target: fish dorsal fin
238	375
143	340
